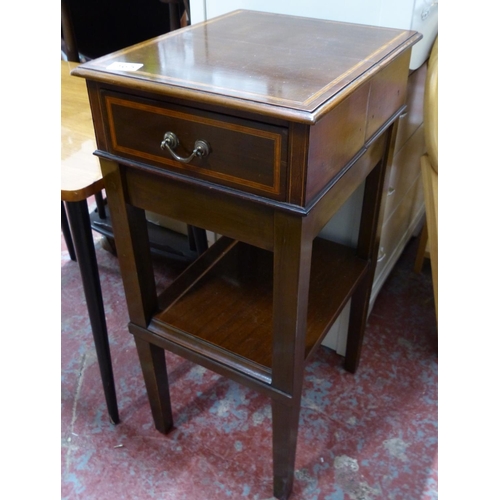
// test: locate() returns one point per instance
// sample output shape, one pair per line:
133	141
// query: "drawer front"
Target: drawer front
405	169
396	230
246	155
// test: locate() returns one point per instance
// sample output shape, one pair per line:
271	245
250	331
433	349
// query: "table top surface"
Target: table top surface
293	64
80	171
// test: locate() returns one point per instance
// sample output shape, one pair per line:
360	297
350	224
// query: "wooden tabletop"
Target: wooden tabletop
290	67
80	171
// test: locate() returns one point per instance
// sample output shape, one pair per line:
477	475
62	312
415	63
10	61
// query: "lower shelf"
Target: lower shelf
222	305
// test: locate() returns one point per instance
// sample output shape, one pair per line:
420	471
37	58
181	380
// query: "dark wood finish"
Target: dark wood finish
291	273
101	27
298	112
79	221
68	35
297	161
67	233
244	154
335	140
387	93
133	246
235	59
212	209
285	430
368	244
154	369
243	301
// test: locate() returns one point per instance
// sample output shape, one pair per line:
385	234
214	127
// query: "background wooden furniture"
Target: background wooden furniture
404	207
81	178
429	164
289	134
94	28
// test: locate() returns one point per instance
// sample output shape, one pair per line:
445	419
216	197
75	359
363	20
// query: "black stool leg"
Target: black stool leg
100	205
200	239
67	233
85	252
197	238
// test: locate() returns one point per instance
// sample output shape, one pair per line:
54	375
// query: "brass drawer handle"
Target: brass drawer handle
170	142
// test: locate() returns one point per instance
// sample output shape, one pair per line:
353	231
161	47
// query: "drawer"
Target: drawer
397	230
243	154
405	169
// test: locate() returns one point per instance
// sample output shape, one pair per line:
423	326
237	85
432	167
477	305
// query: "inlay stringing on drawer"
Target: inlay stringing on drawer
243	154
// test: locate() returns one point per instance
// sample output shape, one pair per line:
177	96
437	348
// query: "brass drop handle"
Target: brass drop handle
170	142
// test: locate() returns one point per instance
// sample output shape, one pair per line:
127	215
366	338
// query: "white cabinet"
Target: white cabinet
404	204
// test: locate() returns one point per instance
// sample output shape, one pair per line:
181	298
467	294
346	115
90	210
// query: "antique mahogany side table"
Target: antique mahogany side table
258	127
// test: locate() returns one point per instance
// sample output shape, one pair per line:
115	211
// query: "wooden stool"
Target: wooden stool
80	179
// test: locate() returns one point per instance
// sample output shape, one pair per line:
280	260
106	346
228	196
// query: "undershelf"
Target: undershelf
221	307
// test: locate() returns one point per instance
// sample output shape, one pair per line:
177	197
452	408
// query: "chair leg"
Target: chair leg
100	205
357	323
85	252
197	238
67	233
200	238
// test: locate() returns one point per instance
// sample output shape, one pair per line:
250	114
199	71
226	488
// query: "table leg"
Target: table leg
292	266
368	245
285	432
85	253
99	200
154	370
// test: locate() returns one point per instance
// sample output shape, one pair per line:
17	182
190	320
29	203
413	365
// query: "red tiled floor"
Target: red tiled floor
368	436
